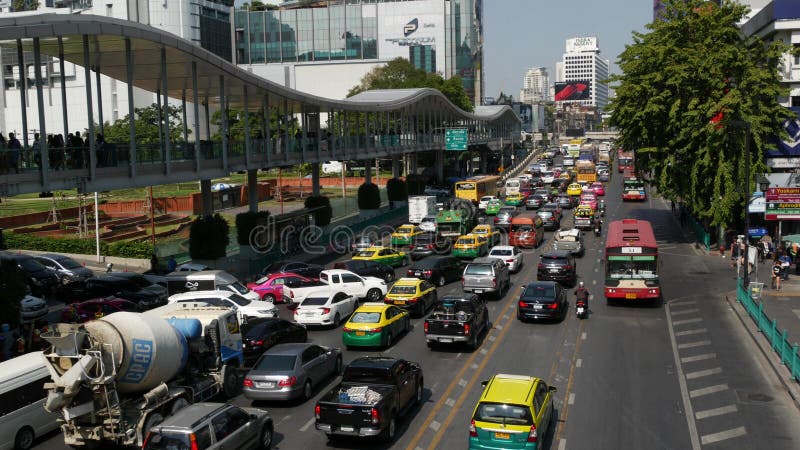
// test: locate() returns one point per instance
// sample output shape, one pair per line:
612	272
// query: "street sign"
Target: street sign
783	204
756	232
455	139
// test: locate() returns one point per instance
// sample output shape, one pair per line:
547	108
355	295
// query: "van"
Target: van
208	280
526	232
22	395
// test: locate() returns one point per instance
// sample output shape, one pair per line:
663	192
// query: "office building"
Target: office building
535	86
581	73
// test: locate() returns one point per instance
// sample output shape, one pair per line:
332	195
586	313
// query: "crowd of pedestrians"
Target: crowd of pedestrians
63	153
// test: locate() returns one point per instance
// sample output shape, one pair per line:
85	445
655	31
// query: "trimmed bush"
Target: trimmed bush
208	237
369	196
416	184
397	190
321	208
122	249
246	221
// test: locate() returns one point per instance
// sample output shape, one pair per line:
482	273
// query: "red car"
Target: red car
589	199
96	308
275	287
599	189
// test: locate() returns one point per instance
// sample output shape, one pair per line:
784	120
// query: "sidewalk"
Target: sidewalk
782	305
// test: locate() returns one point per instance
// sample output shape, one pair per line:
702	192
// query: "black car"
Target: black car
427	244
542	300
107	285
367	269
300	268
260	334
557	266
437	269
39	278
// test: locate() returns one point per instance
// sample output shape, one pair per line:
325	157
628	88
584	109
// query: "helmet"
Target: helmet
580	284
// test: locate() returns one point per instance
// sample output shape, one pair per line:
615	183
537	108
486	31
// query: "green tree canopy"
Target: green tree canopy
146	123
25	5
399	73
676	80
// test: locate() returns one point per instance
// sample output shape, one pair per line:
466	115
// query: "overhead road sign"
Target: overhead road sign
455	139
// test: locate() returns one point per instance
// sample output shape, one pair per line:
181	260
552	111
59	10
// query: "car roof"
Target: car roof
365	362
193	295
188	417
502	247
407	281
372	307
556	254
292	348
541	283
374	248
506	388
54	256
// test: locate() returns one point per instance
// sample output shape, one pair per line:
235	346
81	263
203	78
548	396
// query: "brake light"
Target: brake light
411	247
324	310
427	273
346	329
376	330
289	381
248	382
473	432
375	415
540	266
533	436
387	300
510	260
425	327
552	306
413	300
462	281
494	281
523	304
568	267
466	329
316	412
429	246
261	341
496	220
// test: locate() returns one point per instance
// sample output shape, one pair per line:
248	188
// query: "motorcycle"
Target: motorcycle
581	311
597	230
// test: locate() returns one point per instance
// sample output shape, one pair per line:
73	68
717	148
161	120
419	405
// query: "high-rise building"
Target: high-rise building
581	73
324	47
535	86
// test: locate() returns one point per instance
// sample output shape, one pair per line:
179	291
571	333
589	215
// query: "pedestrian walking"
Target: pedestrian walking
13	148
776	275
171	264
785	263
154	263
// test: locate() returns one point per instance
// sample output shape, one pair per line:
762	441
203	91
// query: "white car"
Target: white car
548	177
325	308
229	299
486	199
428	224
509	255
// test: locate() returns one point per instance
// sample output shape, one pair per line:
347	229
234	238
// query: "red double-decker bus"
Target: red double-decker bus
633	187
624	161
631	262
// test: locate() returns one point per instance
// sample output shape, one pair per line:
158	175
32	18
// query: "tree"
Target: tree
146	124
687	87
236	124
25	5
399	73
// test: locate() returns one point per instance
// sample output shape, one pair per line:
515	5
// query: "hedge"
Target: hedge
416	184
321	208
122	249
208	237
246	221
369	196
397	190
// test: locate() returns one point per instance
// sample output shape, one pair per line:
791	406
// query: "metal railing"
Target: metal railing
701	235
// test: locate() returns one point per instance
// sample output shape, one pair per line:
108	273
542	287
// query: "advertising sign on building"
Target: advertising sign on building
783	204
573	90
582	44
411	24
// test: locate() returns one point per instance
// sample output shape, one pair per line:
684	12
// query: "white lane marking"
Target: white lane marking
435	425
703	373
562	444
693	344
683	303
578	362
583	336
307	425
593	282
571	400
498	326
715	412
708	390
796	312
684	311
474	366
450	402
688	332
492	338
462	382
704	356
685	321
722	435
687	403
484	351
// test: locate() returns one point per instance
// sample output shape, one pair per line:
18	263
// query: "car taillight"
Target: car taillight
466	329
568	267
413	300
496	220
259	342
494	281
316	412
427	273
376	330
375	415
429	246
425	327
540	266
510	260
523	304
462	281
387	300
326	310
473	432
346	329
553	305
248	382
533	436
289	381
411	247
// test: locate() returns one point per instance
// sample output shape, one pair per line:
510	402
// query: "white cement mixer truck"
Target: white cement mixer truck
115	377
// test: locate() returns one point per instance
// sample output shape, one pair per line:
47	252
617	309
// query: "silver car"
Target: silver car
66	269
289	371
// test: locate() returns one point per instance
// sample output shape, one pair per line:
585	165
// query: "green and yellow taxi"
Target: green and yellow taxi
566	176
404	234
574	189
488	232
515	199
470	246
412	294
383	255
375	325
493	207
513	412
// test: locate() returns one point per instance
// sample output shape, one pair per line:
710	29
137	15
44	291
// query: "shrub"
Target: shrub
130	249
208	237
397	190
246	221
320	206
416	184
122	249
369	196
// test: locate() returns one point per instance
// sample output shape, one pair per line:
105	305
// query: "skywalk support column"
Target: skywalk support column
89	108
131	110
395	166
439	165
185	120
23	93
224	116
63	88
368	170
315	178
165	90
196	118
99	98
37	61
252	189
247	144
205	193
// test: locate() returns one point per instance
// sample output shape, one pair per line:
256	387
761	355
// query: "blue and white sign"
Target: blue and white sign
756	232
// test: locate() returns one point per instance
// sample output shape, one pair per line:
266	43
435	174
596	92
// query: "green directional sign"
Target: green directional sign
455	139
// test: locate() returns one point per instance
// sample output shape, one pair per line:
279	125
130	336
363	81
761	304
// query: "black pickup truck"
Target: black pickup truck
457	318
373	393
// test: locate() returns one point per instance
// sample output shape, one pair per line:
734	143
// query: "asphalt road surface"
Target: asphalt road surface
681	374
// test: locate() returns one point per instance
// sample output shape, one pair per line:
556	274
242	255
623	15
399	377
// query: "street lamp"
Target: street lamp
748	193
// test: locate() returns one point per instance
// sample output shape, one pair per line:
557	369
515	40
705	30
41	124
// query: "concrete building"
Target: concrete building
535	86
580	74
325	47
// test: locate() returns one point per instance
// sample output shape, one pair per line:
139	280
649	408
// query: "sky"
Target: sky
520	34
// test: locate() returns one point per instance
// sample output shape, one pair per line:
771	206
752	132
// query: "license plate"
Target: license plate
347	428
553	270
537	306
502	435
478	291
399	302
580	310
266	384
446	340
631	295
417	274
361	333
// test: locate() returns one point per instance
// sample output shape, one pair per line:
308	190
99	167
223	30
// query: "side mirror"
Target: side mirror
552	389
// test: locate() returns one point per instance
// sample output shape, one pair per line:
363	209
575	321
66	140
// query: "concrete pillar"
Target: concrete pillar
89	108
439	165
205	193
483	157
247	139
413	168
132	158
167	143
223	105
45	165
395	166
368	170
23	93
63	88
315	178
196	106
252	189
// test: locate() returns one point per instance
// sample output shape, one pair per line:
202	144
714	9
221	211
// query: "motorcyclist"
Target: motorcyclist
582	295
597	223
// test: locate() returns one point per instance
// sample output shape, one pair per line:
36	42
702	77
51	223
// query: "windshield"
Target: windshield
463	186
364	254
486	198
239	300
501	252
503	413
314	301
539	292
518	228
276	362
403	290
238	287
366	317
69	263
30	264
466	241
624	267
512	183
478	269
450	308
160	440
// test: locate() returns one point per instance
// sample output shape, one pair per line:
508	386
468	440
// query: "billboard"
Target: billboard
582	44
410	24
573	90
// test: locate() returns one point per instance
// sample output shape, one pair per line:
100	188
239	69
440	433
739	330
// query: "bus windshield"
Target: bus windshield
625	267
464	186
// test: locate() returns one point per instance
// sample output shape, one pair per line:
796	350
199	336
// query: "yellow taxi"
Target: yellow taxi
404	234
375	325
514	411
565	176
383	255
488	232
470	246
574	189
515	199
412	294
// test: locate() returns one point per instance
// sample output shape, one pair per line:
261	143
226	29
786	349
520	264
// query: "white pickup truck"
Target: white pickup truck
337	280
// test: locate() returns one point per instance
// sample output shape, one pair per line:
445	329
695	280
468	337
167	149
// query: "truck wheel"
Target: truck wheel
152	420
389	431
266	438
230	382
373	295
24	439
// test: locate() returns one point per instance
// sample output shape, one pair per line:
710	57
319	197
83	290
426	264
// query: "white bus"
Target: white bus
514	184
22	414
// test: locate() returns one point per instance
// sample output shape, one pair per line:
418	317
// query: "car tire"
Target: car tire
388	340
420	390
389	432
307	390
266	438
389	277
269	298
441	281
404	262
373	295
338	368
24	438
336	320
407	327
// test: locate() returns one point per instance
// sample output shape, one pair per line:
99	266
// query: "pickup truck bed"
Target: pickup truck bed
456	319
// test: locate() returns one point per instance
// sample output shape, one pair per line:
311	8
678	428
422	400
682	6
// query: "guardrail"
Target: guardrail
778	340
700	233
519	166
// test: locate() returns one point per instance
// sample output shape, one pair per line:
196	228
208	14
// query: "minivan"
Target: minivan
208	280
486	276
22	398
526	232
